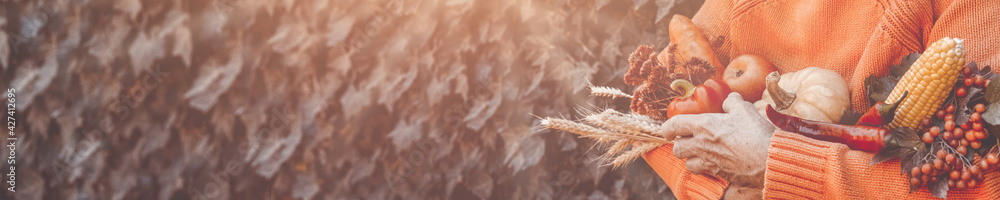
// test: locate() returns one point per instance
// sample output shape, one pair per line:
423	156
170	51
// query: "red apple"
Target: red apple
746	74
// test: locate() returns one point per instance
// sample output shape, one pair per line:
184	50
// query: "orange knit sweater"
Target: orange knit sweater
855	39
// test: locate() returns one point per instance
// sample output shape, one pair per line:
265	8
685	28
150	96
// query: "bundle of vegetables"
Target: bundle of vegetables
951	107
686	78
689	57
933	111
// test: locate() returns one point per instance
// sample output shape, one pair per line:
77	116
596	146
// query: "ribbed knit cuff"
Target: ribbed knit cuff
795	167
683	184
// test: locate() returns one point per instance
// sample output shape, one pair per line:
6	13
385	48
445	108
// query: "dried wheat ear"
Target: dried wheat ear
610	127
603	91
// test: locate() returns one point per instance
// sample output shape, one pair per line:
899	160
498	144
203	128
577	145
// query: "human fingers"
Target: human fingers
683	125
686	148
734	103
698	165
696	155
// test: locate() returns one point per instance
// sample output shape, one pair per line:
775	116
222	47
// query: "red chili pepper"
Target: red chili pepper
864	138
881	113
706	98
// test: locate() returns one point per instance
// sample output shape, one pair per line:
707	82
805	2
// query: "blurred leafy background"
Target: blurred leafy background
312	99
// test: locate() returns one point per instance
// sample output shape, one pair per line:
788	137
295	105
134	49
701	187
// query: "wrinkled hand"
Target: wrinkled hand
731	145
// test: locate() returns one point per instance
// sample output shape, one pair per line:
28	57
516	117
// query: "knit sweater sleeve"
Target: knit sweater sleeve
799	167
683	183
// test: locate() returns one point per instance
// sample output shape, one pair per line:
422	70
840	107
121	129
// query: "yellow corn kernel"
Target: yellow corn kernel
930	79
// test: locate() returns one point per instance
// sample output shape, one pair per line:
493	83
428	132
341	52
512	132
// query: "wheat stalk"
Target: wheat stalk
636	152
623	123
618	147
622	136
622	130
603	91
643	118
573	127
588	131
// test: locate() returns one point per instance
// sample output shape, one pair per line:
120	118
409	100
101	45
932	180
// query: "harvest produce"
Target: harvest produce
685	78
692	43
881	113
930	79
950	105
812	93
746	75
653	78
616	129
863	138
959	137
705	98
690	56
969	134
950	147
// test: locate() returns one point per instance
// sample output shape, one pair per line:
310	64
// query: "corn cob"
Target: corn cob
929	81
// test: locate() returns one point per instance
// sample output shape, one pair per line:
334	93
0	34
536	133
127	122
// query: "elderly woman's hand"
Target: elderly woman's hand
731	145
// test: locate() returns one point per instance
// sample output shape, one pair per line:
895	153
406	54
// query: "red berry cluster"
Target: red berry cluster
962	137
968	80
953	161
960	175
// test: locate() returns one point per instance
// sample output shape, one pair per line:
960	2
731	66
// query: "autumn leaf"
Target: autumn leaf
850	117
878	88
912	158
993	90
939	189
663	8
888	154
638	3
992	114
908	144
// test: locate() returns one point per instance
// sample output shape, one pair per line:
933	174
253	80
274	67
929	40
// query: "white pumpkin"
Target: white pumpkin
812	93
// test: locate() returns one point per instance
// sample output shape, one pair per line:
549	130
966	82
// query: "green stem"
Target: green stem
782	99
684	86
889	110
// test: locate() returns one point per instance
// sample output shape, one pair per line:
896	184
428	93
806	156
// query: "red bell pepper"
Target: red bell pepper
705	98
